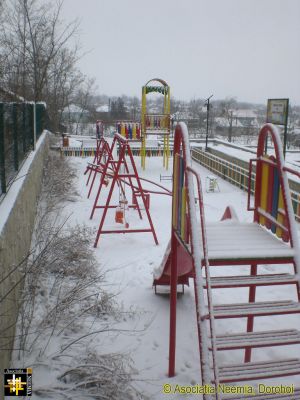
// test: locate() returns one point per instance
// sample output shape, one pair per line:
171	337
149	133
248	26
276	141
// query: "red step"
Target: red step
295	396
258	370
248	280
255	309
257	339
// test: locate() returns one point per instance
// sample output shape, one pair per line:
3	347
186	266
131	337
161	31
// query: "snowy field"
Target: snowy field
129	261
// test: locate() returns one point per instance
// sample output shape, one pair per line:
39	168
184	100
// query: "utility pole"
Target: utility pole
230	126
207	118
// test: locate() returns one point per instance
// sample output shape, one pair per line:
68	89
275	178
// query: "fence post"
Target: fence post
15	135
34	125
24	133
30	123
2	152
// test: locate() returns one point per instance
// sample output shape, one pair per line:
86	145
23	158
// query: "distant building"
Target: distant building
74	113
247	118
243	122
103	112
103	109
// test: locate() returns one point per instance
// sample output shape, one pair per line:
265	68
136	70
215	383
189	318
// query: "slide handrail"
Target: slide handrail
182	146
192	172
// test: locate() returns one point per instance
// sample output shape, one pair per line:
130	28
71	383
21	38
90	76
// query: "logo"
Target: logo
18	382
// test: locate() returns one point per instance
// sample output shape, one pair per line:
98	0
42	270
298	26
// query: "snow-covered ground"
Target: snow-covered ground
129	261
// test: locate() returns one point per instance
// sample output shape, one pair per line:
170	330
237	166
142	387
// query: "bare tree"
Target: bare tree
227	106
83	100
38	62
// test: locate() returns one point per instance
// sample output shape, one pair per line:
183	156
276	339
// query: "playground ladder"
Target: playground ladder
212	371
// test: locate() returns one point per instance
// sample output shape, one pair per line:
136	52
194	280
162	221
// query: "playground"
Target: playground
126	250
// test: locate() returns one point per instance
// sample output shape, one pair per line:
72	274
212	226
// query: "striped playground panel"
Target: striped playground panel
90	152
78	151
238	176
179	211
157	121
129	129
270	198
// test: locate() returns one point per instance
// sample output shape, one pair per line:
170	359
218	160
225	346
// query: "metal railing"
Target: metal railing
17	137
239	176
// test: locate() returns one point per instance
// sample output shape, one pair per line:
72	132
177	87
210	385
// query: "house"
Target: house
247	118
74	113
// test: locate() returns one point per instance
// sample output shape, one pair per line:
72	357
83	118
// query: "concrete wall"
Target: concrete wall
18	209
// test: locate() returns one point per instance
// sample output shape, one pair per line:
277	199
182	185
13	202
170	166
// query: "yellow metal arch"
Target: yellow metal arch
162	119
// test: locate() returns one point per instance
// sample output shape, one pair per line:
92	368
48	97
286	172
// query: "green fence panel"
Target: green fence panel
2	159
17	137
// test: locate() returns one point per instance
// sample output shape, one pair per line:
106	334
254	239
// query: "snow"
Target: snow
129	261
224	122
103	108
74	108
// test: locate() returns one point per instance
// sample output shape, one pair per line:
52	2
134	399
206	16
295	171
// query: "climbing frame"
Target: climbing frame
271	239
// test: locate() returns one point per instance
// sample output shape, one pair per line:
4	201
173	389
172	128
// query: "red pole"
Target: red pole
121	156
174	272
250	320
173	301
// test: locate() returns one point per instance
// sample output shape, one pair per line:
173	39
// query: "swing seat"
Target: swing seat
119	217
106	182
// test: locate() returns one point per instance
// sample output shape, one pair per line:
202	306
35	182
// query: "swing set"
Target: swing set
124	174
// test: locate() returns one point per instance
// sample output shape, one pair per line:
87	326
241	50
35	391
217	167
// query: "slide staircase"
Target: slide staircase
197	248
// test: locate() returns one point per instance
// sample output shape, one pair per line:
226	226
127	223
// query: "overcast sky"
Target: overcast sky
249	49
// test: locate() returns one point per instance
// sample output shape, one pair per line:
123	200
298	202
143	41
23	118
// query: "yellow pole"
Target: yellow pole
143	129
164	151
167	110
168	151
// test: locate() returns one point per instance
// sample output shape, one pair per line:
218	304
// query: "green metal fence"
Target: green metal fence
17	137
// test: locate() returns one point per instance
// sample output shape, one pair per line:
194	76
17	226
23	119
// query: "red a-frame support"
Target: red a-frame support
101	155
119	177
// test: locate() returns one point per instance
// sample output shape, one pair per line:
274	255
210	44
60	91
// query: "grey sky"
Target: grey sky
244	48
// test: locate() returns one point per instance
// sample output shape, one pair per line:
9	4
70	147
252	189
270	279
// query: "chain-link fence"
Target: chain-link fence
17	137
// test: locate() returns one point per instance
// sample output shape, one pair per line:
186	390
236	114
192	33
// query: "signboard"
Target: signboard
277	111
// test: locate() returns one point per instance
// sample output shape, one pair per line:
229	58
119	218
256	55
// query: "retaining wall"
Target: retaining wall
17	214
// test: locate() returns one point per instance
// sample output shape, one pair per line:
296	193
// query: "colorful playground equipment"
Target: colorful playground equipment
124	174
197	247
130	130
156	124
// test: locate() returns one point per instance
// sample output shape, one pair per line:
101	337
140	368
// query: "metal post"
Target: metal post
207	119
34	126
230	126
15	136
2	152
285	129
23	129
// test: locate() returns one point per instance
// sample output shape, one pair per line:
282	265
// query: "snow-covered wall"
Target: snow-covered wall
17	214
